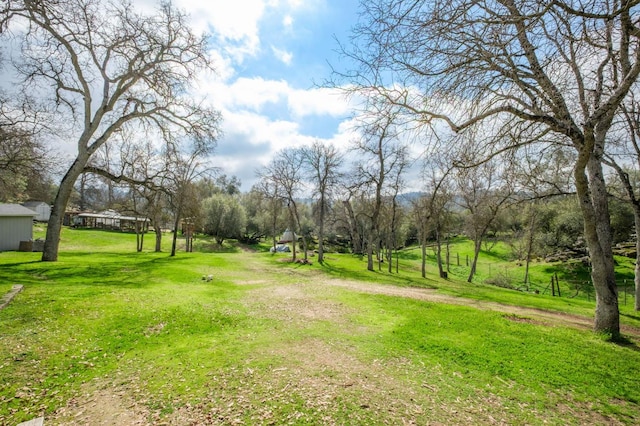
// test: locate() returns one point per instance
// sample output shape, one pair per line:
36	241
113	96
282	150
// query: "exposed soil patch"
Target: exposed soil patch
539	316
107	406
321	377
7	298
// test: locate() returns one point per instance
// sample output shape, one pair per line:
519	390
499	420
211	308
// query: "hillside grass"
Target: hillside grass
267	341
497	262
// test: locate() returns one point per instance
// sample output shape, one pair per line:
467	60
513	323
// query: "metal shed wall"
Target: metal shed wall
41	208
14	229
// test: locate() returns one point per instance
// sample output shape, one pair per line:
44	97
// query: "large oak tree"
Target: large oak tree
102	67
560	69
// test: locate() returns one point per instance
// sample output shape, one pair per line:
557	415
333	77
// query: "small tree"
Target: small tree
223	217
483	193
283	176
324	162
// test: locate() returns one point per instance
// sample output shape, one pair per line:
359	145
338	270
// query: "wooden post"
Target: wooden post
553	287
557	284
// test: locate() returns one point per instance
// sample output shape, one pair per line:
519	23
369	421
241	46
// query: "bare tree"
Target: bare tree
353	223
381	159
324	162
430	211
284	173
483	192
396	212
107	67
183	194
624	158
265	206
561	67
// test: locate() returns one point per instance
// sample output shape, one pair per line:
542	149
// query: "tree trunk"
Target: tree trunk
439	255
423	263
321	230
174	242
139	237
448	254
529	248
636	279
356	240
54	227
593	199
158	247
304	247
476	252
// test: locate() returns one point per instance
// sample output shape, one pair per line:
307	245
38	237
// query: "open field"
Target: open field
110	336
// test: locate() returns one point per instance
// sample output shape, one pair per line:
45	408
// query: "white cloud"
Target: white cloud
282	55
303	103
235	24
287	21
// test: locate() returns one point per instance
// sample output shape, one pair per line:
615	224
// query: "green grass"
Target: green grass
354	267
268	341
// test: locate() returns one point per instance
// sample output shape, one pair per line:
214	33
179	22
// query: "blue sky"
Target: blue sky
270	56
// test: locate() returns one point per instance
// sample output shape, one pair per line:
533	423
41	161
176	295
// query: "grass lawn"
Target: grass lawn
107	335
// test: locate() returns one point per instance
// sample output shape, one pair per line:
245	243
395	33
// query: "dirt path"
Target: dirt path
519	313
318	370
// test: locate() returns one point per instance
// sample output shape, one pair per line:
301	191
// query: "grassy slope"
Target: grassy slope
105	316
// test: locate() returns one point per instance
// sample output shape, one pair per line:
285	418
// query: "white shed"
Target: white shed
42	209
16	224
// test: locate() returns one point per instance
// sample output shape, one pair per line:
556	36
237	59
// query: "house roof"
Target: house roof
113	215
33	203
15	210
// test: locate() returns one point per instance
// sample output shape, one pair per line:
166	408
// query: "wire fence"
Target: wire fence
513	276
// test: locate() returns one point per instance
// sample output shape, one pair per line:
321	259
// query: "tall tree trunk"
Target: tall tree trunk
476	252
370	253
529	247
593	199
321	229
423	251
158	247
139	237
636	279
356	240
54	227
174	242
441	271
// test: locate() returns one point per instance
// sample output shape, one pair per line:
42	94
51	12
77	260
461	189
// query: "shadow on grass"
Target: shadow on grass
132	270
624	342
635	317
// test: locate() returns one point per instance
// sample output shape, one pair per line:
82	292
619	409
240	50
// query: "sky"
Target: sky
271	56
